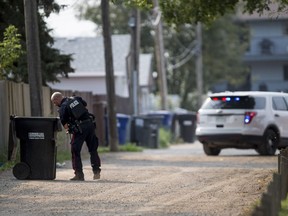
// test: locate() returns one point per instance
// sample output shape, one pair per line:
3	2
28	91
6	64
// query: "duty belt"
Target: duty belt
84	121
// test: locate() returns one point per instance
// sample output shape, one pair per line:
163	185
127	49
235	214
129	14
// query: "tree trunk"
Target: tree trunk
110	86
33	57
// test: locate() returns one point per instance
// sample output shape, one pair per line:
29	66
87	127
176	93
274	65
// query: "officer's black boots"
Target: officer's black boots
96	175
79	176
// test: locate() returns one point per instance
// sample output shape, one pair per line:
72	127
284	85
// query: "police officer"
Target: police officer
82	129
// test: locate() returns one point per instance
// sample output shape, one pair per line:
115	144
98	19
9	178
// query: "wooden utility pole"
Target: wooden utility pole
138	39
159	51
33	57
199	64
110	85
134	24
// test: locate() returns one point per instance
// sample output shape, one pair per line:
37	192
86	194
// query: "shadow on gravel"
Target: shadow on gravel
106	181
218	162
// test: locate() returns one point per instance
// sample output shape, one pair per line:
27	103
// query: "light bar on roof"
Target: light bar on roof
226	99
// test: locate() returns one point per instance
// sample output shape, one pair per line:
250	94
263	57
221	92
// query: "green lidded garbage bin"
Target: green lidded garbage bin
37	147
187	122
145	130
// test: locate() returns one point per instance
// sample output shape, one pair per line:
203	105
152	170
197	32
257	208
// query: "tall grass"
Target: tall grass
284	208
164	138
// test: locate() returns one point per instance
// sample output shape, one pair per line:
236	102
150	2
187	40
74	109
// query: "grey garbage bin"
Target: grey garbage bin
37	147
145	130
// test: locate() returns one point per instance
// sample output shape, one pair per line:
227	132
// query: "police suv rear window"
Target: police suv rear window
235	102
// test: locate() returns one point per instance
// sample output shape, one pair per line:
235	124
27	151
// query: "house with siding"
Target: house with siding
267	56
89	64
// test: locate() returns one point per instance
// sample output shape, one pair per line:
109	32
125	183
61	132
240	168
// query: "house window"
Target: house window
285	72
266	46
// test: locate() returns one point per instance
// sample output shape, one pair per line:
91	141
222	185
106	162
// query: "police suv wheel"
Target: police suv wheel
211	151
269	144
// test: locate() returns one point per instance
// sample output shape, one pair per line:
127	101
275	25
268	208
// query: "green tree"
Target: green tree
119	17
224	46
10	51
206	11
53	63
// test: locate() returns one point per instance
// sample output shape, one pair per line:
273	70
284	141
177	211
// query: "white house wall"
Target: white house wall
121	86
95	85
146	101
260	29
276	34
280	45
266	72
270	74
145	69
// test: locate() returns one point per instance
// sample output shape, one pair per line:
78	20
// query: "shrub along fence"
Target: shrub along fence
277	190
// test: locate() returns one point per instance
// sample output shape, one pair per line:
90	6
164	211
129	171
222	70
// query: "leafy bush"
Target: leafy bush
284	208
164	138
3	156
7	165
128	147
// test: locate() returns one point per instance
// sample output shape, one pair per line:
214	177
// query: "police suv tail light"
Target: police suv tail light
248	117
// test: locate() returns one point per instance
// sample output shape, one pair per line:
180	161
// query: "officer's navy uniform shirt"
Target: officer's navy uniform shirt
64	112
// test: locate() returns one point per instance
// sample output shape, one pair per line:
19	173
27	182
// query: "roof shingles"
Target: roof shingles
88	52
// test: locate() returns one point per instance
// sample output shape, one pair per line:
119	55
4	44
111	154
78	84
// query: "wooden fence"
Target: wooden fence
15	100
277	190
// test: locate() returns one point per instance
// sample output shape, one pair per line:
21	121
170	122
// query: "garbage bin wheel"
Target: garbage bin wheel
21	171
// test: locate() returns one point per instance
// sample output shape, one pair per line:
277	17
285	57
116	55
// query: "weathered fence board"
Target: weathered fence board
4	120
277	190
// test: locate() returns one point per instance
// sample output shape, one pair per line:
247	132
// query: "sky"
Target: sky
65	24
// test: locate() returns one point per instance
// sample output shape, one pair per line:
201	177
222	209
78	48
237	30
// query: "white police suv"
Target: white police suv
243	120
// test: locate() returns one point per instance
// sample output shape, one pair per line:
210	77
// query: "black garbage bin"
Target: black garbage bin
37	147
145	130
166	117
187	122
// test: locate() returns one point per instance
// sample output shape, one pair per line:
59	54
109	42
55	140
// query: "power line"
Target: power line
184	60
186	52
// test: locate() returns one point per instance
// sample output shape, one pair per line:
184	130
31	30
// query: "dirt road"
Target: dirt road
180	180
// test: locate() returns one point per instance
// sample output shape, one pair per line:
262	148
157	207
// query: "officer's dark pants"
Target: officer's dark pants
87	135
